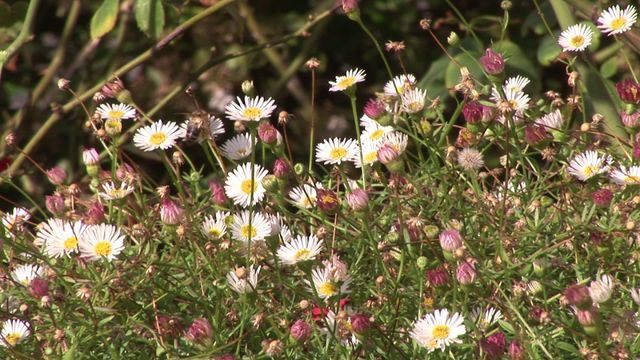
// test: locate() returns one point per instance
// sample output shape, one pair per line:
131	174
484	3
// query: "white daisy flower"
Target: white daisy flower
399	84
23	274
615	21
102	241
366	121
369	153
600	289
158	136
302	248
14	332
438	330
336	151
551	121
285	234
516	83
589	164
111	192
576	38
116	112
59	237
251	109
215	227
304	196
12	221
340	327
216	127
413	100
245	283
277	223
375	133
326	285
518	101
258	230
485	317
351	78
397	140
626	176
238	147
240	186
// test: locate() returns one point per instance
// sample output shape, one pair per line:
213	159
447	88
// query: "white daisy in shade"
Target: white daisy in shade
215	227
369	153
516	83
351	78
375	133
302	248
216	127
305	196
59	237
116	112
240	184
366	121
589	164
326	285
399	84
243	282
11	221
277	223
518	101
243	231
251	109
102	241
615	21
158	136
397	140
552	120
600	290
626	176
14	332
438	330
575	38
336	151
485	317
285	234
23	274
413	100
238	147
111	192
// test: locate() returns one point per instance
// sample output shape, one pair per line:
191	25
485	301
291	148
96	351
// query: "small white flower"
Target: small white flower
399	84
351	78
14	220
375	133
59	237
438	330
216	127
158	136
626	176
615	21
485	317
215	227
116	112
336	151
102	241
248	283
238	147
257	231
326	285
302	248
576	38
369	153
23	274
600	289
551	121
413	100
304	196
111	192
516	84
240	185
14	332
277	224
366	121
518	101
397	140
589	164
251	109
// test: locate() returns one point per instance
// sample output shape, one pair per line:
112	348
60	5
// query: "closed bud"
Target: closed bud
453	39
492	62
578	295
218	195
90	157
300	331
298	168
56	175
374	108
494	346
270	182
466	273
516	350
248	88
358	199
94	213
200	331
602	198
450	240
170	212
63	84
281	168
267	133
38	287
113	127
360	323
55	204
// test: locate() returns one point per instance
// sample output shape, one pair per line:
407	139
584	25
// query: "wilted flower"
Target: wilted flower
470	159
602	197
327	200
578	295
492	62
200	331
56	175
516	350
629	91
360	323
55	203
438	276
494	345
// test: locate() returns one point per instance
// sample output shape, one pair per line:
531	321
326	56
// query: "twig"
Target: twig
23	37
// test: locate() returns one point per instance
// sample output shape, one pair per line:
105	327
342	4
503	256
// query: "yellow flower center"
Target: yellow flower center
376	134
328	199
415	106
338	153
158	138
308	201
590	170
328	289
431	343
252	113
302	254
70	243
117	193
370	157
346	82
115	114
630	179
440	332
113	126
248	231
247	188
242	152
428	302
577	41
13	338
513	104
103	248
215	232
618	23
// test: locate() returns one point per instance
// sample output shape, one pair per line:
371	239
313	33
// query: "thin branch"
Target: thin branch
25	35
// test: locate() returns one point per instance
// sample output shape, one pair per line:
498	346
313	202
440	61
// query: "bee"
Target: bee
198	127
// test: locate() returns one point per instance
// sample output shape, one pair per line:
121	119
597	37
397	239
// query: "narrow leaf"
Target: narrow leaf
104	19
150	17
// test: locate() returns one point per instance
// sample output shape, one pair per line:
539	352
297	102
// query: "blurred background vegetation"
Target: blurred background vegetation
158	50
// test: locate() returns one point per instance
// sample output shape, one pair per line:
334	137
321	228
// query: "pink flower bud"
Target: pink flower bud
386	154
630	120
466	273
492	62
472	112
636	150
629	91
218	195
534	134
199	331
300	331
55	203
267	133
516	350
587	317
602	197
281	168
56	175
374	108
39	287
578	295
327	200
450	240
225	357
358	199
170	212
94	213
360	323
438	277
494	346
90	157
349	6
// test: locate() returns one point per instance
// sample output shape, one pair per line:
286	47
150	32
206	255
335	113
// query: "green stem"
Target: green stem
357	124
375	42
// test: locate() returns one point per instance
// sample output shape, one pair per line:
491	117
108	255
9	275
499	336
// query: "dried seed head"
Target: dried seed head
312	63
425	24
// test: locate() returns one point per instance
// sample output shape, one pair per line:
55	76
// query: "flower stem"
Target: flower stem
375	42
357	124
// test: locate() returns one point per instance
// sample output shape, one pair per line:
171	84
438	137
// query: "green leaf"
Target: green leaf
104	19
71	353
548	50
609	68
150	17
508	328
567	347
